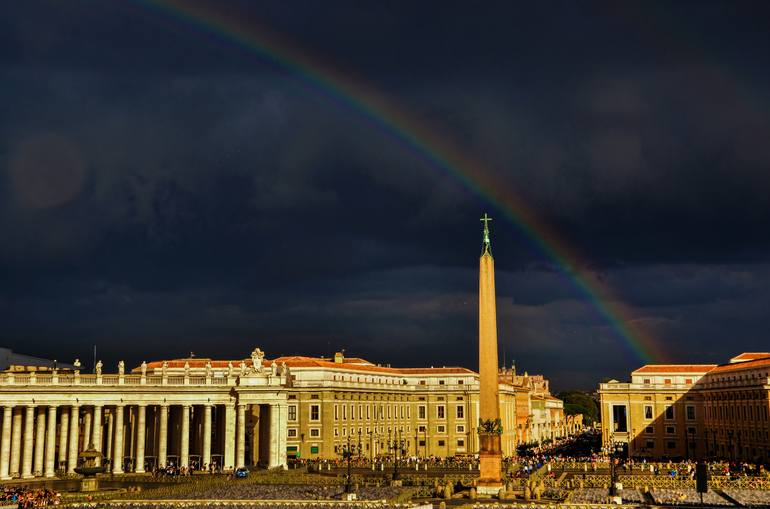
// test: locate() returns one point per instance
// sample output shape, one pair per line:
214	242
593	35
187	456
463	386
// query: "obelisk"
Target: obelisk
490	427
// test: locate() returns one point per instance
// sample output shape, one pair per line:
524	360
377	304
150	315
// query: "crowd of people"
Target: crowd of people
25	497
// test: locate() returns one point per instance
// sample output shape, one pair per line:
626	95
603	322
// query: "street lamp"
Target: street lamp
396	444
348	478
615	448
359	445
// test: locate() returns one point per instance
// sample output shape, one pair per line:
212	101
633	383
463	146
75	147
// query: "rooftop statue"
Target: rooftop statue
256	359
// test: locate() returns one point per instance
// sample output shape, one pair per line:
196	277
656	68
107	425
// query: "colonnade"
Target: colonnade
44	439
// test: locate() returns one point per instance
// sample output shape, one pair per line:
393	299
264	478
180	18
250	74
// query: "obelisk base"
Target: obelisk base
490	464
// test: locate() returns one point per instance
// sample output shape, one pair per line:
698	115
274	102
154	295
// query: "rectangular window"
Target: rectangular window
313	449
352	412
671	445
291	433
422	443
336	412
441	412
688	381
667	381
647	381
650	444
315	412
648	411
649	430
360	412
441	382
691	431
669	412
421	429
440	428
344	412
315	432
441	443
460	442
460	382
670	430
619	418
421	411
690	413
368	411
292	412
460	428
460	412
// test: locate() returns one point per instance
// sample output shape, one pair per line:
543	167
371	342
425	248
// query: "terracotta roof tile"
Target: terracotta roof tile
742	365
299	361
750	356
676	368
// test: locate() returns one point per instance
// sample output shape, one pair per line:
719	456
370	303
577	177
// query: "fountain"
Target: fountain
90	465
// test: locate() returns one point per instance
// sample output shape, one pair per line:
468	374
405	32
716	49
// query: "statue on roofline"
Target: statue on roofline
257	356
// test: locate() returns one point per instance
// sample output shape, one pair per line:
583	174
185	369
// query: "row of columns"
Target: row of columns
29	436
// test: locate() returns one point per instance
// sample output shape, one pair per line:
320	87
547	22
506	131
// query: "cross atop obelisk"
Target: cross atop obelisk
487	246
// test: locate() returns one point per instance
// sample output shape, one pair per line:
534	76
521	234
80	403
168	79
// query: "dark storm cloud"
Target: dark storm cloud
164	190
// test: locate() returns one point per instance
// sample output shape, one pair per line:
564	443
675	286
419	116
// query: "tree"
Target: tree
579	402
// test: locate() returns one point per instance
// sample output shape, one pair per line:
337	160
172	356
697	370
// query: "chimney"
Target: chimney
338	358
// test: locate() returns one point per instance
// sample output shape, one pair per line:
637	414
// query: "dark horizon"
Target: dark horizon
165	190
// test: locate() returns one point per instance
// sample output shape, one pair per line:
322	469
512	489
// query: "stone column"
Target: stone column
206	459
64	422
5	443
29	442
73	450
278	416
117	457
96	437
110	434
229	452
16	428
184	439
50	443
39	442
240	444
141	427
163	436
86	429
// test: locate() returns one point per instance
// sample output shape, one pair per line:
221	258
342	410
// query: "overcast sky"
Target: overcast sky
165	190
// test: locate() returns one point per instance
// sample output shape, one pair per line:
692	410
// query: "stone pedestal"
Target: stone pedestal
490	463
89	484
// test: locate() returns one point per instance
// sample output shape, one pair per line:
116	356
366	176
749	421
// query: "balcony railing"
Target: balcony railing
69	379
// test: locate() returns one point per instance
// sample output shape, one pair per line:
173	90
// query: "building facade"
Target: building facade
204	413
692	411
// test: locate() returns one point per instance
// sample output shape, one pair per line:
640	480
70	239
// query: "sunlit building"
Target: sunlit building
692	411
223	414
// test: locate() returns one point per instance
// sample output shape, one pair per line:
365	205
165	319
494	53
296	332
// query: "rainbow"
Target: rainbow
344	91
